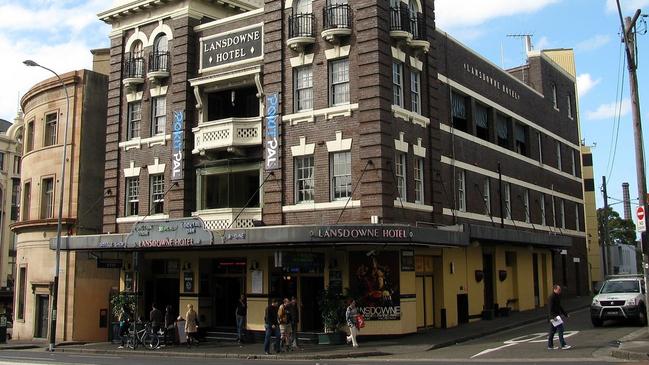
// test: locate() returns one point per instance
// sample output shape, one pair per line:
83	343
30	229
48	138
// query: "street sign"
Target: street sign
642	225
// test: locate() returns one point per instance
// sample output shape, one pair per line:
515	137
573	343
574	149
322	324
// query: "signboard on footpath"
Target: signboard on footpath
271	127
177	145
238	46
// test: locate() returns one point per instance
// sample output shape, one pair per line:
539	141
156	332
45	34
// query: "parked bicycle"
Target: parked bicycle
142	334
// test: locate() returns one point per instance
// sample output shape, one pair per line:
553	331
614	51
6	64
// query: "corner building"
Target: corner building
284	147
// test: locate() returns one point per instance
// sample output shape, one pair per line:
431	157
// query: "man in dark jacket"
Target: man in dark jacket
156	318
271	325
555	311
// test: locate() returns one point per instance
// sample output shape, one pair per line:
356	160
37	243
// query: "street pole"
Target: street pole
55	284
628	33
604	236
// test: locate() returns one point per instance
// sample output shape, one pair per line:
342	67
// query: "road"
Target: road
523	345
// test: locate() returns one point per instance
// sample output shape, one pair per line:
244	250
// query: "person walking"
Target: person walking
155	317
124	323
240	314
271	326
169	326
555	311
350	316
191	326
284	318
295	319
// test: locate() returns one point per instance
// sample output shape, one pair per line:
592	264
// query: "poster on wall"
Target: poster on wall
374	283
189	281
257	282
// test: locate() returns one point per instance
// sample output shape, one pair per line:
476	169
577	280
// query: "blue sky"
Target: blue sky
60	33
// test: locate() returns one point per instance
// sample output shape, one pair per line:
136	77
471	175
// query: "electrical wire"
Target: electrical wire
617	91
618	117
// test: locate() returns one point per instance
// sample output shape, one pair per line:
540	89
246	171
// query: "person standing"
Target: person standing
191	325
295	319
271	327
241	313
350	316
124	322
169	325
555	311
155	317
283	314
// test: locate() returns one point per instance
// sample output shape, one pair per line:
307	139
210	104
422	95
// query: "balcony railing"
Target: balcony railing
400	19
159	61
224	133
218	219
134	68
301	25
337	16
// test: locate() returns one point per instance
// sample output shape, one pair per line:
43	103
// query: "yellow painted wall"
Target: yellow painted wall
525	279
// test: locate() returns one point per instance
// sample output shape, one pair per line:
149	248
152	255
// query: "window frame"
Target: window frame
157	120
555	98
562	213
397	83
21	300
544	220
156	195
131	200
333	85
50	129
419	180
298	90
335	176
486	195
526	206
577	218
29	136
570	107
461	189
17	165
301	181
400	172
415	91
26	200
47	198
507	189
130	121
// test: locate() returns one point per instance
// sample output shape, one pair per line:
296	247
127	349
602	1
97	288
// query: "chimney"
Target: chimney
528	43
626	200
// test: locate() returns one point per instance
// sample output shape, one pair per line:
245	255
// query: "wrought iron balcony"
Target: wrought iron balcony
158	66
337	21
133	72
224	133
301	30
419	39
400	22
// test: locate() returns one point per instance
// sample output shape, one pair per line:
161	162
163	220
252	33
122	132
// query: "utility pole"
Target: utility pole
628	33
604	236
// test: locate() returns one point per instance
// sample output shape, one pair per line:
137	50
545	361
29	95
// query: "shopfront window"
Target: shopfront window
231	190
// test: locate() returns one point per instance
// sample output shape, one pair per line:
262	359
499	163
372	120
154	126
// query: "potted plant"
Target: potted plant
332	309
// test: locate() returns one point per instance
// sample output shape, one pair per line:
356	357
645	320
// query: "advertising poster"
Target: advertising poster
374	283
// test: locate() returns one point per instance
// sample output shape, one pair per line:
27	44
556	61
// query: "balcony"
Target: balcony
400	22
133	72
219	219
418	27
158	66
225	133
337	21
300	31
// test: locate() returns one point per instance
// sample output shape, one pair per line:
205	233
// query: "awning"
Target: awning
518	237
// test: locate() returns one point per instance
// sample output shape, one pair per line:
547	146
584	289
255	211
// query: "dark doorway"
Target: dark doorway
462	308
167	293
577	279
226	295
310	313
535	272
42	315
488	270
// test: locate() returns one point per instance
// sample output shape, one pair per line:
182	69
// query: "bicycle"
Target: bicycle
144	336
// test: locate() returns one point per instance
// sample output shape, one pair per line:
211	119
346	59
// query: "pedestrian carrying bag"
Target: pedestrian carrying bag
360	321
556	321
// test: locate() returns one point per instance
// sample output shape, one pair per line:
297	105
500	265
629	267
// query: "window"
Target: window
51	122
2	161
400	173
570	107
562	213
397	83
161	44
542	204
554	212
27	200
22	293
339	79
132	196
459	112
159	115
559	156
233	103
47	198
231	189
577	222
539	138
15	198
415	91
461	190
486	196
482	122
587	159
304	179
574	163
157	190
526	205
502	130
137	49
303	88
16	165
419	180
134	118
341	175
520	139
29	137
507	193
303	7
555	101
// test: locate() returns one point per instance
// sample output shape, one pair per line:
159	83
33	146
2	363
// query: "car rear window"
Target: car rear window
620	287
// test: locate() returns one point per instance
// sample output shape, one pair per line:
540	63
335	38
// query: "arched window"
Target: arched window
414	8
161	44
303	7
137	49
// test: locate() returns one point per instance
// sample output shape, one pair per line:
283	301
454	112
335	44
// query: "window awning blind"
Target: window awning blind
481	116
458	103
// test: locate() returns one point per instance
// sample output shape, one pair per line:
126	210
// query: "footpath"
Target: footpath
415	343
634	346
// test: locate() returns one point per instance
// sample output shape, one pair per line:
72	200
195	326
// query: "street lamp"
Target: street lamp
55	288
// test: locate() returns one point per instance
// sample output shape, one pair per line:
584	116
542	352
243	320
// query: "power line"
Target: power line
619	95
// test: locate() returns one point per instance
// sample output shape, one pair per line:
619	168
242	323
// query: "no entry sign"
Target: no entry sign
642	226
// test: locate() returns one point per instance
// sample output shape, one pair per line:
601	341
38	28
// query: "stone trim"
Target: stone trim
131	97
303	149
418	150
156	168
132	171
415	63
337	52
400	144
339	144
302	59
413	206
309	207
398	54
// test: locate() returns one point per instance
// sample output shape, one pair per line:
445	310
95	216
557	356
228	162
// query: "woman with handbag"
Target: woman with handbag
191	326
351	315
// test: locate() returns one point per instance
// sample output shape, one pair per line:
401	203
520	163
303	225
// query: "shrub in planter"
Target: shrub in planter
332	309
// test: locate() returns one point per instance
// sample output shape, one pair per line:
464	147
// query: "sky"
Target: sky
60	33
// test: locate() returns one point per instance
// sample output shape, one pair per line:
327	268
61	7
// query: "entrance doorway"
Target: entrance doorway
424	286
227	291
162	286
223	280
42	315
310	289
488	271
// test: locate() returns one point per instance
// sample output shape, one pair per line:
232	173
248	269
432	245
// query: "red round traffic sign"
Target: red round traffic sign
640	213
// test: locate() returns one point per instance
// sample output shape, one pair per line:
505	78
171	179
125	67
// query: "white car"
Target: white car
620	298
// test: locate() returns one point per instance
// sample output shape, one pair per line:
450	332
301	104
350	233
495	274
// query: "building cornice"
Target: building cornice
40	224
134	7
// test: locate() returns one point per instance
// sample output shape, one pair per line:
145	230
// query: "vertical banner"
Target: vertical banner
374	283
272	122
177	145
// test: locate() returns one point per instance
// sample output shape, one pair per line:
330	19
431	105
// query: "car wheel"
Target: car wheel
597	322
642	315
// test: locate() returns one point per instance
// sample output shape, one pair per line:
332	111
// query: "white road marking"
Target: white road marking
531	338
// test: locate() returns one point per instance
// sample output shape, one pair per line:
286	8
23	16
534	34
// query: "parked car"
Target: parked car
620	298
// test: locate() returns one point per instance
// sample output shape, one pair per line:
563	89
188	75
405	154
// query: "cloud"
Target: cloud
49	16
593	43
610	110
585	83
627	5
474	12
543	43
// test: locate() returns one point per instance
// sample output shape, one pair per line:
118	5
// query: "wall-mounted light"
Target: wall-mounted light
452	267
502	275
479	275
